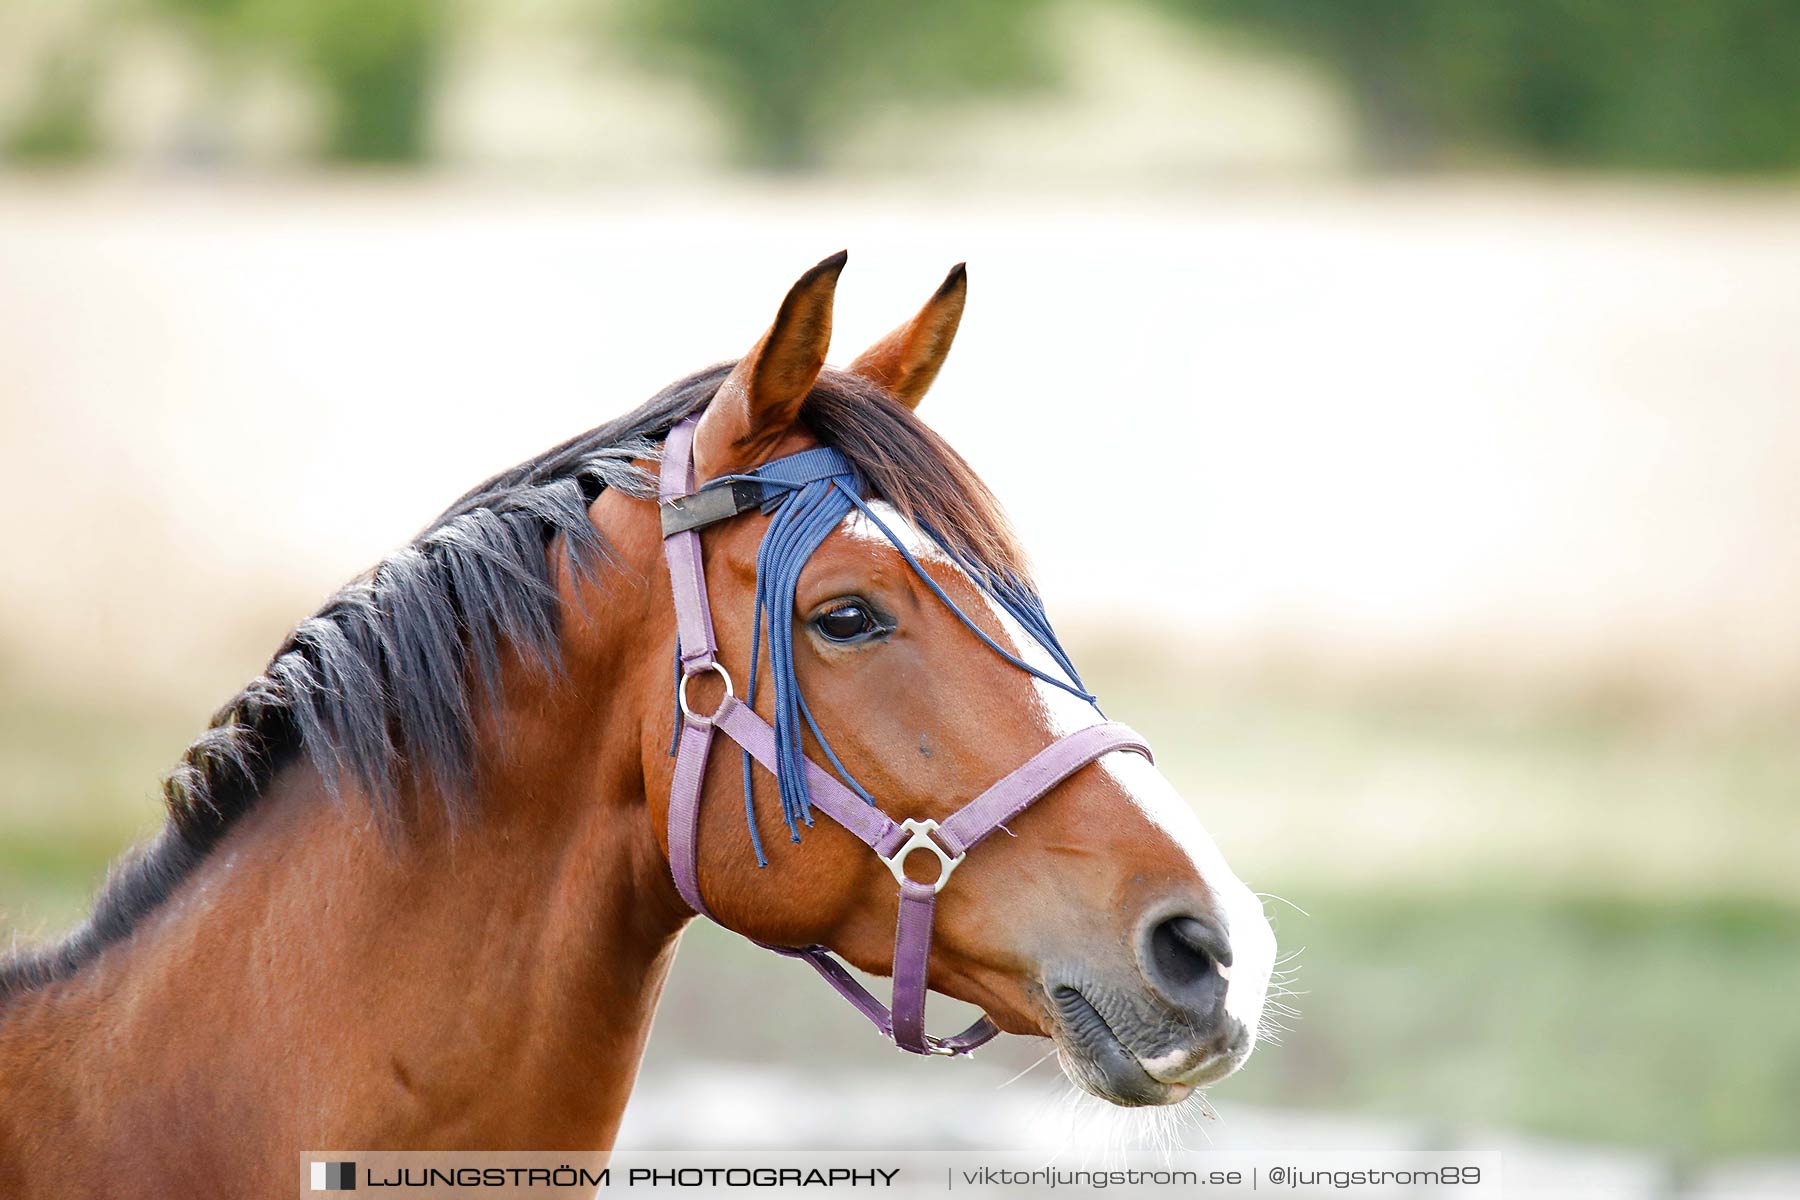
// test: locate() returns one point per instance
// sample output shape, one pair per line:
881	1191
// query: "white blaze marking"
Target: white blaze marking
911	536
1252	939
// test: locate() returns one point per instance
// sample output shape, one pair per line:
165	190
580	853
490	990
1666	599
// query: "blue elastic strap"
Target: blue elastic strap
809	494
1020	602
804	493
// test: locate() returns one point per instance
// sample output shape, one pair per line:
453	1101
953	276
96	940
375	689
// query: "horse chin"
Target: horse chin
1099	1063
1095	1058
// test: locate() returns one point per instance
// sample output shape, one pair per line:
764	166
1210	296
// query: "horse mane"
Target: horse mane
385	681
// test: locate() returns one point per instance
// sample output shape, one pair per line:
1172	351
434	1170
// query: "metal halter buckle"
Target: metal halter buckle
921	839
681	692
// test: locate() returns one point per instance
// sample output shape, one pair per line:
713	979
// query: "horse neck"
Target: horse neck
314	984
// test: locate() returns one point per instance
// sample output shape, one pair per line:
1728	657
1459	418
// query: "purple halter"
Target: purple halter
949	841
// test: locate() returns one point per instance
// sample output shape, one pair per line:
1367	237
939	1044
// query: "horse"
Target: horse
421	881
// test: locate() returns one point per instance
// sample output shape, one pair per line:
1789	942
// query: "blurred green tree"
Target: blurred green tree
1656	84
791	76
375	62
56	124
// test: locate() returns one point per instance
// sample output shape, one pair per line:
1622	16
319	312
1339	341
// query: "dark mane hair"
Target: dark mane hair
385	681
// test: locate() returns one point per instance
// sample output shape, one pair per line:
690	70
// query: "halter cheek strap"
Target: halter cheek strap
685	511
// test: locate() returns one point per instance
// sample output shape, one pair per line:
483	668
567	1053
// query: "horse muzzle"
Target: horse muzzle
1151	1030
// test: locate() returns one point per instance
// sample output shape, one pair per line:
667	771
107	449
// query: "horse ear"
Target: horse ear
761	397
907	360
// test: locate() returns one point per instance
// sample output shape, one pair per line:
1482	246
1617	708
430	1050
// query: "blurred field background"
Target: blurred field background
1431	368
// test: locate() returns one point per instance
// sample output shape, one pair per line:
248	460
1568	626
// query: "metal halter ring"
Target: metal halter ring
681	692
921	839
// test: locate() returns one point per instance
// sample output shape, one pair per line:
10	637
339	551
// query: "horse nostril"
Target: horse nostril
1202	937
1185	954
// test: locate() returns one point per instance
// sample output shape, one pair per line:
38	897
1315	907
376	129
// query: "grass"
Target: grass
1664	1024
78	784
1370	787
1576	921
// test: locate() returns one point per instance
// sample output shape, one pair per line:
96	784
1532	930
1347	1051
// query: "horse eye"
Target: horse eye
845	623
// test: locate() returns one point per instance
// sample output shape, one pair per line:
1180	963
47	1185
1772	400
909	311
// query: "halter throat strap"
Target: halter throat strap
685	511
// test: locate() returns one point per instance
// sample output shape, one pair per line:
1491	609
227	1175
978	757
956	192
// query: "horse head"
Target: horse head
912	663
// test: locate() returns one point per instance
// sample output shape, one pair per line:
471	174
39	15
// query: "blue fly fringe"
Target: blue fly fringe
809	494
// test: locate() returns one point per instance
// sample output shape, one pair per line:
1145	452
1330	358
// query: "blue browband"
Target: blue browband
808	495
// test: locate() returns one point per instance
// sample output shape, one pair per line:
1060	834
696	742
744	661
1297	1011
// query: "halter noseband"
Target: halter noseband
684	512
